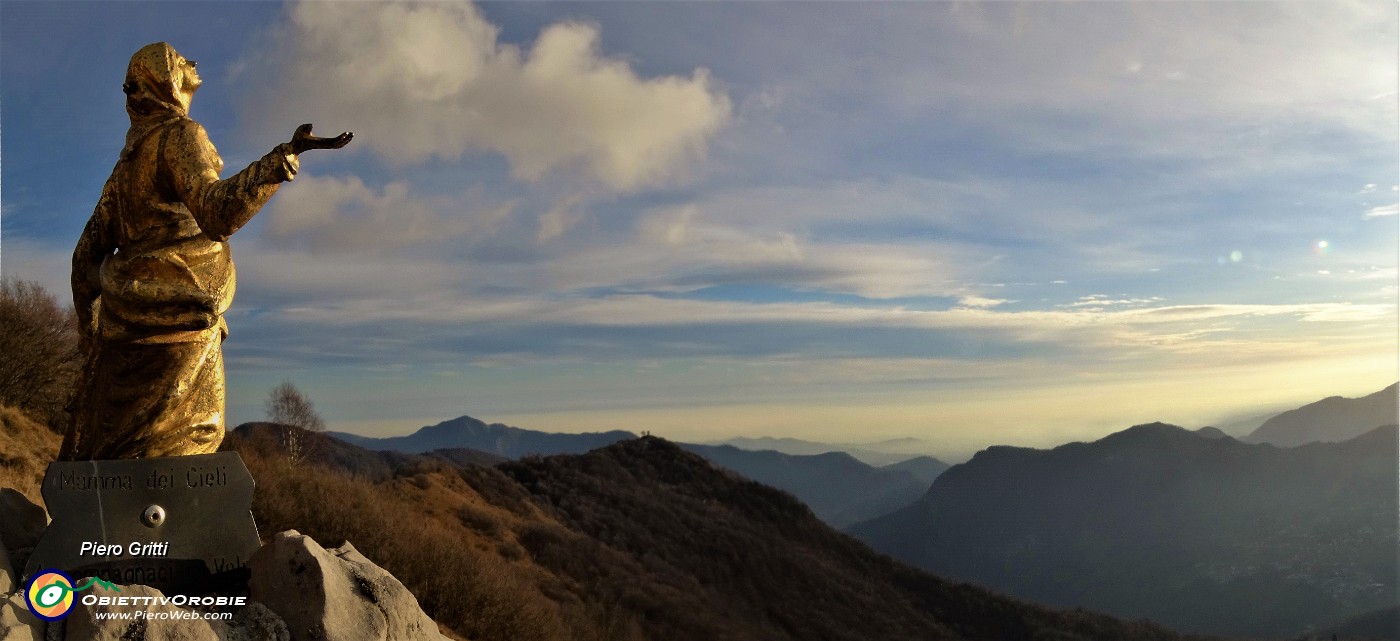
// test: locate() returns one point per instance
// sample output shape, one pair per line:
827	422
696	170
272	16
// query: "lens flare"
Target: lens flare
1321	247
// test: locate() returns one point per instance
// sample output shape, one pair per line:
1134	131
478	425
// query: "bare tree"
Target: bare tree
293	412
39	351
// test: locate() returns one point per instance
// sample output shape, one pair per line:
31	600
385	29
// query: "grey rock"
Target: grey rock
334	595
255	622
16	622
300	592
21	524
8	580
83	624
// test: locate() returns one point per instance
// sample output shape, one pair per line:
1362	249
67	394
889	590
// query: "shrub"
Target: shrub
39	355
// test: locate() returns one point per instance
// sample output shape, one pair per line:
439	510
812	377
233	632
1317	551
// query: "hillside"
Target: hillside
1330	420
637	540
1201	533
840	489
924	468
1380	625
26	448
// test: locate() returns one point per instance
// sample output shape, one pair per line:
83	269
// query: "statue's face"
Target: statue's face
159	74
190	76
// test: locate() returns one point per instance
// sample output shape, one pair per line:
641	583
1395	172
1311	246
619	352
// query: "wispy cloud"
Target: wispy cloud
343	214
1382	211
981	302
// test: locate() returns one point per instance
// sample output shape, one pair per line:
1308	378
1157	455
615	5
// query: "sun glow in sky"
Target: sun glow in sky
970	223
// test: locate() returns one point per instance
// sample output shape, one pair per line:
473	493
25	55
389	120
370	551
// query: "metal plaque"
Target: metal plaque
181	524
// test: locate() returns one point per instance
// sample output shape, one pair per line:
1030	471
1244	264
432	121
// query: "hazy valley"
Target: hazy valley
840	489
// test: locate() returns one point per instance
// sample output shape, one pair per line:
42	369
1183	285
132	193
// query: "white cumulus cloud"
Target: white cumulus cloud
423	81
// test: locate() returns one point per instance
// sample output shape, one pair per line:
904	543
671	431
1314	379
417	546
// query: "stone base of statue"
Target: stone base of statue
181	524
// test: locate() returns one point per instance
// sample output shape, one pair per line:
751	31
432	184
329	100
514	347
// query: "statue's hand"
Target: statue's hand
302	140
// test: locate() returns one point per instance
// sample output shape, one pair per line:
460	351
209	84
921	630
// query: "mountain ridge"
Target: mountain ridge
840	488
763	509
876	454
1331	419
636	540
1158	521
493	438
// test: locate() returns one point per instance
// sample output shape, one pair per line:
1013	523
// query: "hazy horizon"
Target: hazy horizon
967	223
1230	423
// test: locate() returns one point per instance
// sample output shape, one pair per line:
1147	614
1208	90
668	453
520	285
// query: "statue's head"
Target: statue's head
159	80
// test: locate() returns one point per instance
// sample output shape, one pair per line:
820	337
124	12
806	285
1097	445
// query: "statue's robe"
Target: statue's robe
153	276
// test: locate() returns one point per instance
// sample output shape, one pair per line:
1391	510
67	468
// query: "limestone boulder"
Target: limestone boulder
256	622
150	621
145	617
21	524
334	595
16	622
298	591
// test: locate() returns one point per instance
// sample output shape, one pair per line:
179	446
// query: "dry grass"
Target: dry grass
26	449
639	540
432	531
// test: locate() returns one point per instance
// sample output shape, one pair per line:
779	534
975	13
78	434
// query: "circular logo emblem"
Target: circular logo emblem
50	595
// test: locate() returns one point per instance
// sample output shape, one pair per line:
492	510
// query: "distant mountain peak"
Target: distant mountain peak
1145	432
1156	427
1076	525
1211	432
495	438
653	446
1331	419
457	424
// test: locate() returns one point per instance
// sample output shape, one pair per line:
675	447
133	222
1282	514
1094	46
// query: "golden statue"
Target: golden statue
152	274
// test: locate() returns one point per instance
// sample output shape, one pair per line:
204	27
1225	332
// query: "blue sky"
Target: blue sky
971	223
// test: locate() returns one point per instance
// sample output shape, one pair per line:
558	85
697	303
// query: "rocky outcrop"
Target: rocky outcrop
299	591
147	619
156	622
334	595
16	623
21	523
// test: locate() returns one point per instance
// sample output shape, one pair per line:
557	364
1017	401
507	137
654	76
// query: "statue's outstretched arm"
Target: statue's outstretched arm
222	207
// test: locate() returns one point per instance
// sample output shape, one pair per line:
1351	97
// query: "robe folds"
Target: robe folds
153	276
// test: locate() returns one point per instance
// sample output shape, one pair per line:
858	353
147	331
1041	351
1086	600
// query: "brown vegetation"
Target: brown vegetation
639	540
26	449
423	521
39	356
